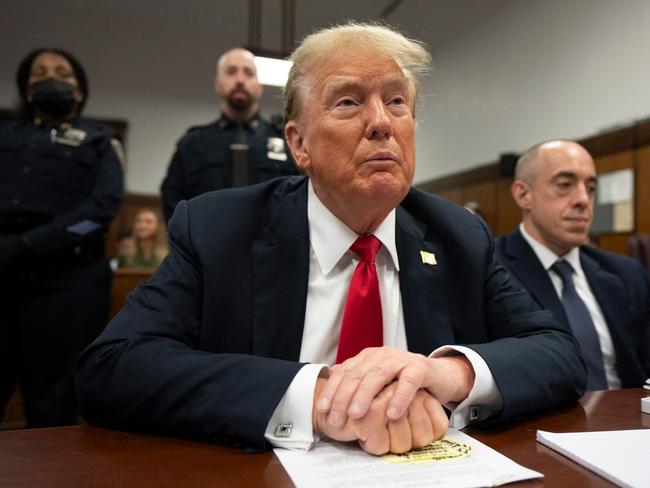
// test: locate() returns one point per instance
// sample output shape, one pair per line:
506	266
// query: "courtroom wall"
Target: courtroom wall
521	71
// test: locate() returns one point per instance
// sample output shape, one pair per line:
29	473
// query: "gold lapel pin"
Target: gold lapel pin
428	258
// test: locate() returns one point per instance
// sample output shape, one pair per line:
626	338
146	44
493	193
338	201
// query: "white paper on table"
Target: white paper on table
342	465
621	456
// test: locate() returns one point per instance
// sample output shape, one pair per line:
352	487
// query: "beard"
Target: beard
239	99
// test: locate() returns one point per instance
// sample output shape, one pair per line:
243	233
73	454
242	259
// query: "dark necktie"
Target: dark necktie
239	152
362	324
582	327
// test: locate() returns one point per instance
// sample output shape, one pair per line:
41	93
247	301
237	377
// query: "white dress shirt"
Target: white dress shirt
548	258
331	265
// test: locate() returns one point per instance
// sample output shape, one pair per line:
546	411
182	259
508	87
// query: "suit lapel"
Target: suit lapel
527	268
424	287
280	264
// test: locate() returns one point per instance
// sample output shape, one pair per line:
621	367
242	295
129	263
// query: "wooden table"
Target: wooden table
94	457
602	410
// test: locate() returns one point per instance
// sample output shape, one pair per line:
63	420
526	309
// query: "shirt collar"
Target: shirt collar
330	238
548	257
226	122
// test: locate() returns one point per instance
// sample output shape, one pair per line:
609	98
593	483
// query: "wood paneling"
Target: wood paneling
611	142
453	195
642	207
643	133
508	213
604	164
614	242
484	194
614	162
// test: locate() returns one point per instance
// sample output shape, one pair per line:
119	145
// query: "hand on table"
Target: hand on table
423	422
354	385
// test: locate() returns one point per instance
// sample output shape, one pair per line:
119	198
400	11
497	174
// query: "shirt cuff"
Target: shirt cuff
484	398
290	425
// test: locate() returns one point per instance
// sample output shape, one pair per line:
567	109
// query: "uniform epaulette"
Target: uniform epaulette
198	128
92	126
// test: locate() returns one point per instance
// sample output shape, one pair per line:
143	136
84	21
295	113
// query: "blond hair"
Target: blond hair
410	55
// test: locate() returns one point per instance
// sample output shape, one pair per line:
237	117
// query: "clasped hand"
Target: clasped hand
390	400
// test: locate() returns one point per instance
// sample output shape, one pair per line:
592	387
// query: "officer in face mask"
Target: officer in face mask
60	187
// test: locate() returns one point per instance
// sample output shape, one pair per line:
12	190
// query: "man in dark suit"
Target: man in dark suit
555	184
266	286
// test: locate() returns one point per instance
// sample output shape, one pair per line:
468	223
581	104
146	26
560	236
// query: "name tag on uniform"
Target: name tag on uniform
70	137
275	149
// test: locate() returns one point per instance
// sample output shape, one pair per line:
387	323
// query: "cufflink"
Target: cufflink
283	430
474	413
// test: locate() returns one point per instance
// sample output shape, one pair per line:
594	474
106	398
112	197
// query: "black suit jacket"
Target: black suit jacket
620	285
208	346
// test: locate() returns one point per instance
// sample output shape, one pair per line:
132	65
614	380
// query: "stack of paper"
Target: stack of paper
457	461
621	456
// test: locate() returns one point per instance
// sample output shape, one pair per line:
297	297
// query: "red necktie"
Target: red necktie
362	323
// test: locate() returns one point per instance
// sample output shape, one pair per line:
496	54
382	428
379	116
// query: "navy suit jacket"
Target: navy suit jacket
208	346
620	285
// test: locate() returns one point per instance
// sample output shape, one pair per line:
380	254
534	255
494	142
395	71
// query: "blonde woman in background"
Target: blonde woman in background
147	246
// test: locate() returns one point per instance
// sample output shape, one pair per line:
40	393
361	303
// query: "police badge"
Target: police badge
275	149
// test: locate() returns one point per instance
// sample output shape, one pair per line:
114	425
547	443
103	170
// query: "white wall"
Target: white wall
508	72
535	71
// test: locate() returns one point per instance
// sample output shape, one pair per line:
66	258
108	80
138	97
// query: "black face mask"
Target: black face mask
54	97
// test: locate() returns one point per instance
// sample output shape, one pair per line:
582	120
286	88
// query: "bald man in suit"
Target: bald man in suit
555	185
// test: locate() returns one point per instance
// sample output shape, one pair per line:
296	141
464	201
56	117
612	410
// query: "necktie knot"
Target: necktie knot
366	247
564	271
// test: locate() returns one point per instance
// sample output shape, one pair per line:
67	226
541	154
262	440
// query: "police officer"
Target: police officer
60	187
238	149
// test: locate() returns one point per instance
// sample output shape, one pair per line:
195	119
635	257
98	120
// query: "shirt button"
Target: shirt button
16	201
26	169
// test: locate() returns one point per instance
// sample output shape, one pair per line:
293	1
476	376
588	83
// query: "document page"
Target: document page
457	461
621	456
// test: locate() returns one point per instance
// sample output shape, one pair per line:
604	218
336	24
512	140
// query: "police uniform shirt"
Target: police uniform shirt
203	158
60	185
